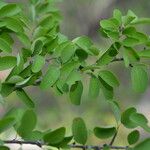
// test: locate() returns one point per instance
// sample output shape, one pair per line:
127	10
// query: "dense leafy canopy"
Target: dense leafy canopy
66	65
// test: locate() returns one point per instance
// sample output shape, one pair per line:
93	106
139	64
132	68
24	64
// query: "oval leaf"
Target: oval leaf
109	78
139	79
55	137
25	98
104	133
38	63
50	77
79	131
133	137
76	92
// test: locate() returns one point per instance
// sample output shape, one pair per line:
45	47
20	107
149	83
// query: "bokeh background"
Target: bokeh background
81	17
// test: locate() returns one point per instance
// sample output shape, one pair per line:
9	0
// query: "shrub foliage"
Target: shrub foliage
42	44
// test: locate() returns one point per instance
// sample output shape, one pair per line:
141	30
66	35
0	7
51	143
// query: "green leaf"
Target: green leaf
116	110
24	39
25	98
14	25
38	63
109	55
127	20
125	118
6	89
104	133
144	145
106	88
129	42
139	78
15	79
76	93
28	123
94	87
109	78
4	46
11	62
110	24
50	77
9	10
35	135
6	123
133	137
117	15
145	53
79	131
84	43
67	52
73	77
81	54
130	56
37	45
140	120
141	21
55	137
4	148
64	143
129	31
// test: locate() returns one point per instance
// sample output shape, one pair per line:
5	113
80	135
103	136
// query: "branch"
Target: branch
23	142
39	144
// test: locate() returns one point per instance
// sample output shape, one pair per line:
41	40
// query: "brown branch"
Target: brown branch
23	142
40	144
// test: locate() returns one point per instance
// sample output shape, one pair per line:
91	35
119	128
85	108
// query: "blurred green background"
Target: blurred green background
81	17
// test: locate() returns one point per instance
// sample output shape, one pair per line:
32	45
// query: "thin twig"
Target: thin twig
40	144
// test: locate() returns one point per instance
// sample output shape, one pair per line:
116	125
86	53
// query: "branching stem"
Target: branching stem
39	144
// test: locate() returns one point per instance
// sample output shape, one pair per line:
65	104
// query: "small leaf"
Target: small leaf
55	137
104	133
38	63
6	123
28	123
50	77
37	46
14	25
67	52
133	137
6	89
25	98
130	56
109	24
125	118
107	89
15	79
144	145
76	92
117	15
144	53
139	79
109	78
84	43
73	77
4	148
11	62
129	42
9	10
79	131
109	55
4	46
140	120
94	87
116	110
141	21
24	39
